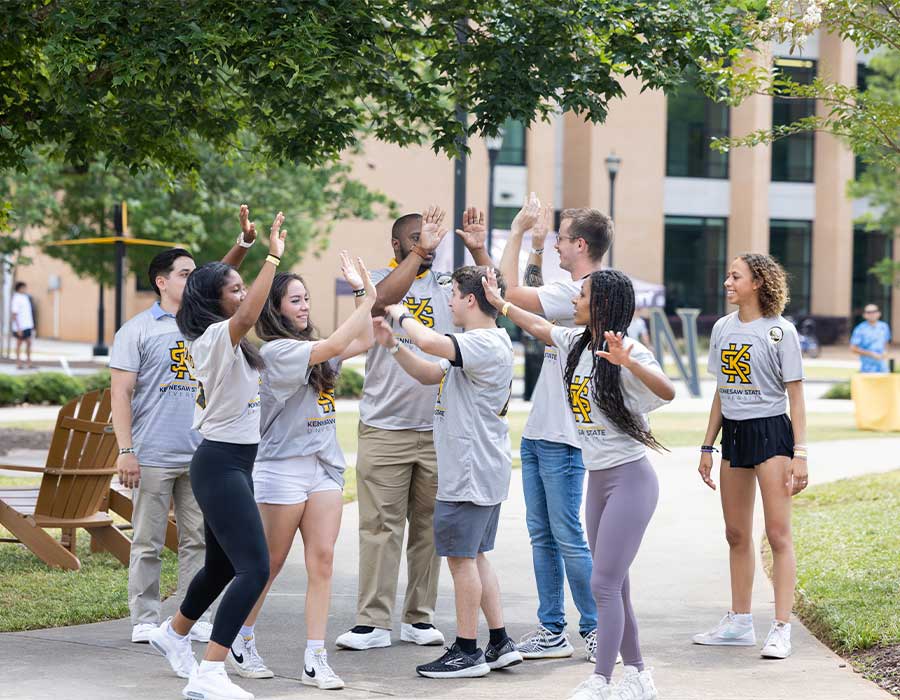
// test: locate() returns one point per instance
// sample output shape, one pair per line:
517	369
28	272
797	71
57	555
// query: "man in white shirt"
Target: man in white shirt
22	322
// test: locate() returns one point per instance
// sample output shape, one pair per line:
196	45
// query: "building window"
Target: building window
790	243
870	248
792	156
692	121
862	78
512	152
503	217
694	266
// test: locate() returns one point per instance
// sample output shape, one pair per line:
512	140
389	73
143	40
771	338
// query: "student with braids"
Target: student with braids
298	478
755	355
613	382
217	312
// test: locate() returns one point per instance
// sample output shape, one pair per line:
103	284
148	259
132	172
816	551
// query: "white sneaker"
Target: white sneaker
178	652
213	684
429	637
360	639
594	688
201	631
544	644
317	672
778	641
246	659
140	633
732	630
636	685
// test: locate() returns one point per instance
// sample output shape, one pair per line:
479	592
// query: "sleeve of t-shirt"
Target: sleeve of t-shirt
287	365
790	355
125	353
479	353
638	396
564	338
887	333
378	275
213	353
712	362
857	337
556	300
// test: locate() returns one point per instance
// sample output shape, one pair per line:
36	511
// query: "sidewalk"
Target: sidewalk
679	583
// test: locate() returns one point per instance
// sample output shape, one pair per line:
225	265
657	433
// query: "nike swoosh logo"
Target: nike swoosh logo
239	659
311	672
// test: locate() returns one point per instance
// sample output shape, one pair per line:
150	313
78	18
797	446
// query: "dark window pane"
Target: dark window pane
790	243
792	156
503	217
512	152
692	121
862	78
694	266
869	248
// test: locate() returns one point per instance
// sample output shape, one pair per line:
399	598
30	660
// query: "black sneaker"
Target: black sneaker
456	663
502	655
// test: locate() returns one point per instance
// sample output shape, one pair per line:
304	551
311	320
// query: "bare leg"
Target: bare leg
467	591
490	593
320	526
776	498
738	494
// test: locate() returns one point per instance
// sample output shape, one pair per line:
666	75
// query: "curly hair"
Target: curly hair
773	283
612	308
272	325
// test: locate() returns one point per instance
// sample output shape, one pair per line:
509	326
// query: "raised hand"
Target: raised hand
616	353
542	226
433	230
248	228
368	284
276	236
350	272
473	232
492	289
395	311
527	216
384	334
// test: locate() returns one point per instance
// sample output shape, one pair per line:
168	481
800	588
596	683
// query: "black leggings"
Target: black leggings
221	476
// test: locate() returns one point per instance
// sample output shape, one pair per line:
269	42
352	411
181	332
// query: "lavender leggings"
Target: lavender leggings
619	504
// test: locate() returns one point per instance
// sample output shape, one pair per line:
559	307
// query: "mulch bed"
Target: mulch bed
880	665
17	439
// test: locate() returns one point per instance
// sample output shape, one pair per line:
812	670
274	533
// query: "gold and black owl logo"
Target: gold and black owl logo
182	363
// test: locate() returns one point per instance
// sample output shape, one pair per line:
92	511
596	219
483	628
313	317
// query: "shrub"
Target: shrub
52	388
838	391
98	380
349	384
12	389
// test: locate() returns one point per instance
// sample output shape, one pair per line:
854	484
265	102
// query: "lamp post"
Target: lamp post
612	167
494	144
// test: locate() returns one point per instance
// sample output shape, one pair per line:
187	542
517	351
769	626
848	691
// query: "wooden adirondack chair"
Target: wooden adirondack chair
120	503
76	480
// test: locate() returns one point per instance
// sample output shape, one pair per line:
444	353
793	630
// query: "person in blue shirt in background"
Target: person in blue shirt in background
869	340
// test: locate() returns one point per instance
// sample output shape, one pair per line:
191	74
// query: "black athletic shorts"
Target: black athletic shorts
23	335
746	443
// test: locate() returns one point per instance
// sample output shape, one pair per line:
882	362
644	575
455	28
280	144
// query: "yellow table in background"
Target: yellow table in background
876	398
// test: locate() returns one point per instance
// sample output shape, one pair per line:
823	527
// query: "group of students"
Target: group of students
243	439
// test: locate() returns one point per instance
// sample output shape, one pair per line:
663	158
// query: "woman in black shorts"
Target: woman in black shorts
755	355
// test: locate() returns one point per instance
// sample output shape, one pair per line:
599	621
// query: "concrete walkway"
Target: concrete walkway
680	584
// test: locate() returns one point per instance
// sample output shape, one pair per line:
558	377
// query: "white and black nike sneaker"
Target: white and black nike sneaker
317	672
456	663
502	655
246	659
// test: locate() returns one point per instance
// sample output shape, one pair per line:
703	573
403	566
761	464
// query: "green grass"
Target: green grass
31	425
848	578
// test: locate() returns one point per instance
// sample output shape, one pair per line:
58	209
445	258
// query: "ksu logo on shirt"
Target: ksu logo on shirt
736	362
182	362
578	397
421	310
328	419
326	401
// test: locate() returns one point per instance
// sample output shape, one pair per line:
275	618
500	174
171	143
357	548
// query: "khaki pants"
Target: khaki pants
396	475
152	499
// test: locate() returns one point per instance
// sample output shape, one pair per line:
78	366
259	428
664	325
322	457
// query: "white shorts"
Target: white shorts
290	481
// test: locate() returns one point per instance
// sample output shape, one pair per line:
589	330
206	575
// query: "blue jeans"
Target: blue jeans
553	480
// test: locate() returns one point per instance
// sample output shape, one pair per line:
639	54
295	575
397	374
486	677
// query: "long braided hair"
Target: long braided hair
612	308
272	325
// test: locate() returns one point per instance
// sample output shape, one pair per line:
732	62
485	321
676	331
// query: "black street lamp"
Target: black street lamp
612	167
494	145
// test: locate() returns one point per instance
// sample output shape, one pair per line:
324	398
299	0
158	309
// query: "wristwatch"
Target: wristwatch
537	251
126	451
242	243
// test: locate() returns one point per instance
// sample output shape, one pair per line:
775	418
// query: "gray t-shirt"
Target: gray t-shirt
751	363
550	418
227	406
603	444
162	406
297	420
471	433
392	400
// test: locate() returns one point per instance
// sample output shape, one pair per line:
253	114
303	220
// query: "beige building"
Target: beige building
682	211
